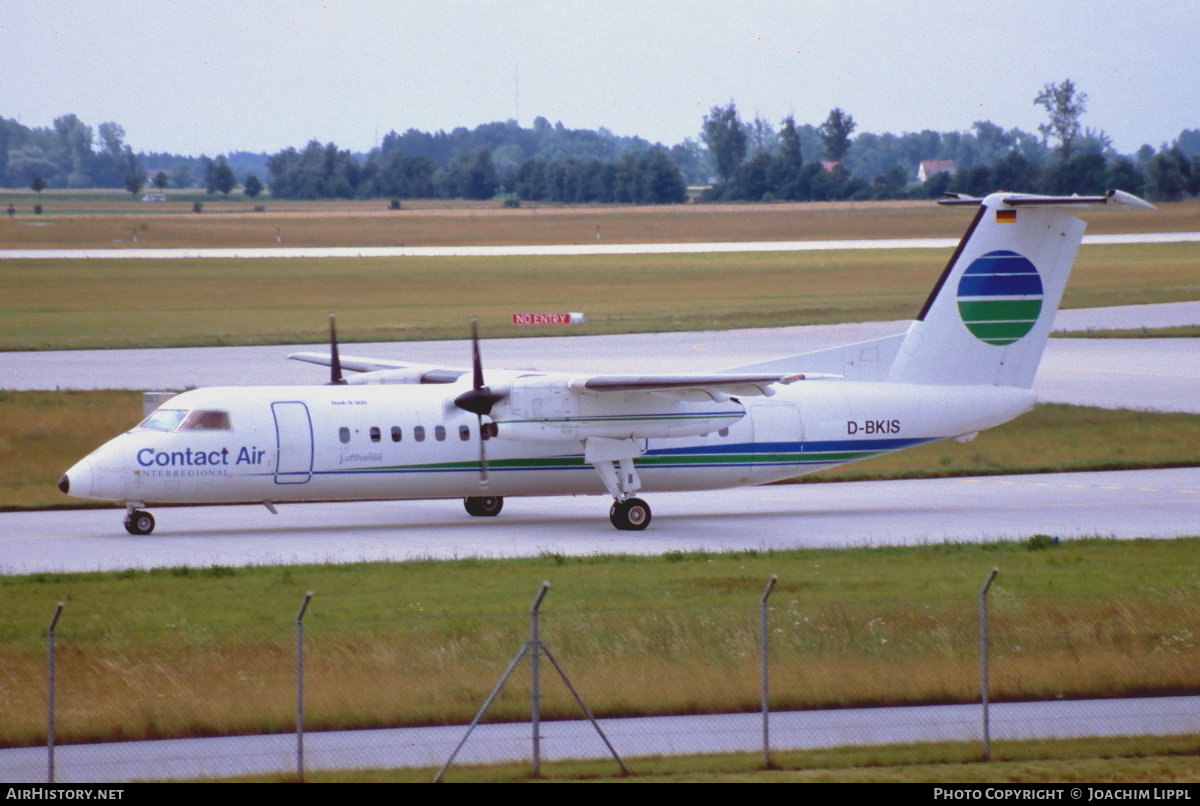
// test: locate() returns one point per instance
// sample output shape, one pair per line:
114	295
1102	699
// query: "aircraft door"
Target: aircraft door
778	437
294	442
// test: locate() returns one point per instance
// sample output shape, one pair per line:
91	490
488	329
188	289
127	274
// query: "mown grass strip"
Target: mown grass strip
1179	332
71	304
99	219
208	651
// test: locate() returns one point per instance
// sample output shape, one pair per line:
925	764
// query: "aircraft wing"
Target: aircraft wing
726	383
400	371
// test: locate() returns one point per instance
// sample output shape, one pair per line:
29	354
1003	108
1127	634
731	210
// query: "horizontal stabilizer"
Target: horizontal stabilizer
1111	198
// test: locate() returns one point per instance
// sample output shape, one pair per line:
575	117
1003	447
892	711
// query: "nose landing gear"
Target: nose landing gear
484	506
139	522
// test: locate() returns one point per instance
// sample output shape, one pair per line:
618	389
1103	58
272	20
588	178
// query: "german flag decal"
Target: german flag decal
1006	216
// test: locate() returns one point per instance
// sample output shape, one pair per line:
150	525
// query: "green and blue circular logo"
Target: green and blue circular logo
1000	297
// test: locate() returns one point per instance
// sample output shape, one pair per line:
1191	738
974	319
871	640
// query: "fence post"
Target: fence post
50	692
535	643
983	662
300	687
762	649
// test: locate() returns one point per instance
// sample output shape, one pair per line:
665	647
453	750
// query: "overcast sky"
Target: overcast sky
217	76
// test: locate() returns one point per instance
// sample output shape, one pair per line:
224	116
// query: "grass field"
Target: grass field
193	652
72	304
99	218
44	433
1181	332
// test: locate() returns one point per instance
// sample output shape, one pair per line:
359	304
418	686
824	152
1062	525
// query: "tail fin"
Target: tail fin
989	316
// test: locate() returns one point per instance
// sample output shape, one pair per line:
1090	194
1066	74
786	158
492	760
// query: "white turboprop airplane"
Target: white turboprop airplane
409	431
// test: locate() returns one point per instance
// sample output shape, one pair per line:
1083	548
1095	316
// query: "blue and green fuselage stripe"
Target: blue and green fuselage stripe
746	454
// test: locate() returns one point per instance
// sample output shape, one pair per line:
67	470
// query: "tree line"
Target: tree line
737	160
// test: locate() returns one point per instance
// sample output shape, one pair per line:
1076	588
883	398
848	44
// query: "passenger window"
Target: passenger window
439	433
464	433
206	421
419	433
374	433
396	433
344	434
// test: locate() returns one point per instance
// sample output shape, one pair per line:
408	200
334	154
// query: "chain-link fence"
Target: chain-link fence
86	702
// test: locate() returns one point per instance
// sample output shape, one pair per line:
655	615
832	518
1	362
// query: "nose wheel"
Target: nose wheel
484	506
630	515
139	522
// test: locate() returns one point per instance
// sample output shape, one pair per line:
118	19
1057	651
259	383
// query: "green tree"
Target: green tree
1015	173
1122	174
1083	174
223	179
470	175
1065	106
783	174
161	179
182	176
37	184
254	186
1167	176
725	136
835	134
662	183
134	182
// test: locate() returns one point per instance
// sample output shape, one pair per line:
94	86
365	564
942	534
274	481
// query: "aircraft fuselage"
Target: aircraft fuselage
408	442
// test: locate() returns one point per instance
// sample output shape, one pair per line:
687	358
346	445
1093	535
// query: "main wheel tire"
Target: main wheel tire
139	522
631	515
484	506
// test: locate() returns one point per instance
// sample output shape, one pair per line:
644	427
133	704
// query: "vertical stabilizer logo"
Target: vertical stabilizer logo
1000	297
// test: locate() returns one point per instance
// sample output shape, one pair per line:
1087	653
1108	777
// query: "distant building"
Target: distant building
828	167
930	167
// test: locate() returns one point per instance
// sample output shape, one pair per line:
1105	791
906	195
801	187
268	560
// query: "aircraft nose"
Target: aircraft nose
77	481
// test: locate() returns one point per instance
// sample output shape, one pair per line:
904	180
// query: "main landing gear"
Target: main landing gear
630	515
139	522
484	506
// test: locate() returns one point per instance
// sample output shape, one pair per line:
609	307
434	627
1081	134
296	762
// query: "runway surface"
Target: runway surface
598	248
1120	504
646	736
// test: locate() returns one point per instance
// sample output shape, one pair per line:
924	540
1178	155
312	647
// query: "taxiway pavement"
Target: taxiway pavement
1119	504
641	736
1139	373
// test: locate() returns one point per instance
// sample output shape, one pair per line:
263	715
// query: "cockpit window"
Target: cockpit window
201	420
165	419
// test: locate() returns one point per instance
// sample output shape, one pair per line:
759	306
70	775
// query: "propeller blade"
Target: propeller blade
476	361
483	438
335	363
479	399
